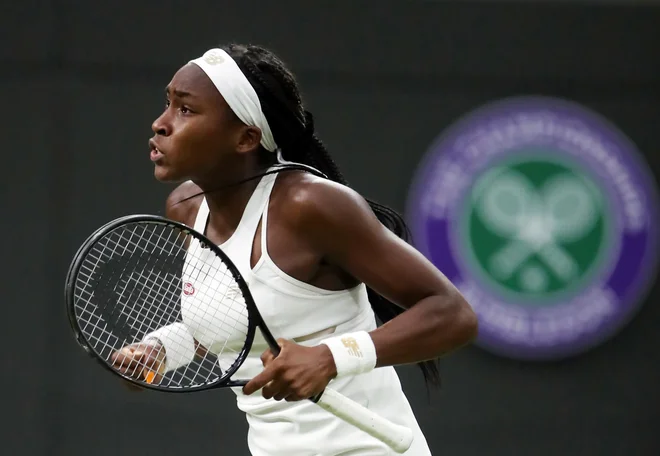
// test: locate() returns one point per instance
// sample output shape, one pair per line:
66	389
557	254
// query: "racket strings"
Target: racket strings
117	321
102	255
152	289
222	328
141	277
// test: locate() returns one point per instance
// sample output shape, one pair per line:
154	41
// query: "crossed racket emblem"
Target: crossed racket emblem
535	220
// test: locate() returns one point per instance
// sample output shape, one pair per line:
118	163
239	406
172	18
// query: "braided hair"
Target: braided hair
293	130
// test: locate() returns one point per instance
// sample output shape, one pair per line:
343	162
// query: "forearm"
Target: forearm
431	328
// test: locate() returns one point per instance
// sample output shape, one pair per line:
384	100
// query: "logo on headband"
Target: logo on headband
545	217
213	58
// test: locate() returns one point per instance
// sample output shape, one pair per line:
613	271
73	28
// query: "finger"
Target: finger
267	357
293	398
299	391
119	357
275	389
259	381
154	358
126	362
136	364
294	394
125	352
282	395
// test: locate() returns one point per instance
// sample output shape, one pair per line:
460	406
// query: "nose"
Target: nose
161	126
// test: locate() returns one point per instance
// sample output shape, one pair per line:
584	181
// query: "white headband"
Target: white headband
237	92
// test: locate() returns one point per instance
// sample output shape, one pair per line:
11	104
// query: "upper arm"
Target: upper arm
342	225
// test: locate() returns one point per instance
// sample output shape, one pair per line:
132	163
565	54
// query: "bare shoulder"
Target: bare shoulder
182	203
307	200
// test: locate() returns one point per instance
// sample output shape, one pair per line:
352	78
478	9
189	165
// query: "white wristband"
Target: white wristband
354	353
178	343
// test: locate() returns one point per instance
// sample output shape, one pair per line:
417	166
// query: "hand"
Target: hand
137	360
297	373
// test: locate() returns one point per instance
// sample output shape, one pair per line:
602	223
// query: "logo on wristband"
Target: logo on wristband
353	348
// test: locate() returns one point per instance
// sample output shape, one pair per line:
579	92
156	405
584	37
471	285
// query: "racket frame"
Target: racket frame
254	317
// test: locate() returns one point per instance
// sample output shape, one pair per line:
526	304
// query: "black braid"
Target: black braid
293	131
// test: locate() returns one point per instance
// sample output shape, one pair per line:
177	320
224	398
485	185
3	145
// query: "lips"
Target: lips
156	155
155	152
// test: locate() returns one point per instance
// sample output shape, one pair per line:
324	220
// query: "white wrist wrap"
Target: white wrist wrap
178	343
354	353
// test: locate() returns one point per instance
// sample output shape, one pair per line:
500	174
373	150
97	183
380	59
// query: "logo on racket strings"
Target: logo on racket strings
188	289
545	217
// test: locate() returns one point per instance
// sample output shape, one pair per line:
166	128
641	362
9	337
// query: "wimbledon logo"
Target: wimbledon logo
545	217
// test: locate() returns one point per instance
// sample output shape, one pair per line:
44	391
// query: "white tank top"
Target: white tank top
306	314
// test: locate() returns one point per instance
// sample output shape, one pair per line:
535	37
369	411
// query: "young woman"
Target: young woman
321	261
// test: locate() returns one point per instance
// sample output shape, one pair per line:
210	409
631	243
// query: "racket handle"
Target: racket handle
397	437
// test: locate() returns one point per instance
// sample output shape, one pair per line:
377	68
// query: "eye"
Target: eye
182	108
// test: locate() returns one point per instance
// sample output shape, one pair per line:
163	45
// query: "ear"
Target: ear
249	139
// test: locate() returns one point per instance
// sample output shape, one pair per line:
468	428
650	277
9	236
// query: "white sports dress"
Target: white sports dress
306	314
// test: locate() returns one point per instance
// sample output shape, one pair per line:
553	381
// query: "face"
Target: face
197	137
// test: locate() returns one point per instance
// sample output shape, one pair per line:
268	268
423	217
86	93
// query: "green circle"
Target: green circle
517	251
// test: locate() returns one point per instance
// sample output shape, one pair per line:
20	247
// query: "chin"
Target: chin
165	175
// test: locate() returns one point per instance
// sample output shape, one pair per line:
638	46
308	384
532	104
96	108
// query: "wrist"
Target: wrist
177	343
328	365
353	353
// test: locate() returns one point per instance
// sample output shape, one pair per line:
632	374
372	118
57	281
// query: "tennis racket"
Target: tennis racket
141	273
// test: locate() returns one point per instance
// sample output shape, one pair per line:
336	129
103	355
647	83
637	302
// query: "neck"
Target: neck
228	196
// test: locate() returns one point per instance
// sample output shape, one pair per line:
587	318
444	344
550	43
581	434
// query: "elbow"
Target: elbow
467	321
459	324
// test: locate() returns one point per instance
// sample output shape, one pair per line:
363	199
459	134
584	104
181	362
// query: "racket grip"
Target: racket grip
397	437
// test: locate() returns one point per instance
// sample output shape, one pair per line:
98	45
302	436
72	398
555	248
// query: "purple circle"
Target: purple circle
496	132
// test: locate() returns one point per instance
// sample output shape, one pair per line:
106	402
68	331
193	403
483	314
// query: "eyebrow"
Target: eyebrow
178	93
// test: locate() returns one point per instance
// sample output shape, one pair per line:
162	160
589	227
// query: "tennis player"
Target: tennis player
321	261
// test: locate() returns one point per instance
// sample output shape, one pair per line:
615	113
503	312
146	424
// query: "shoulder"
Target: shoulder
183	203
316	205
